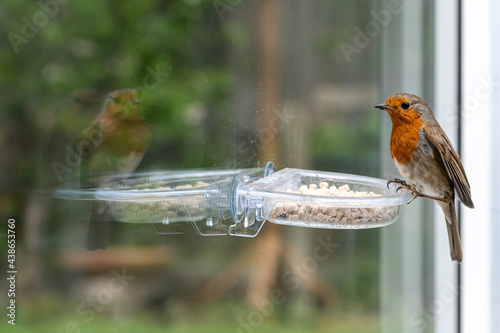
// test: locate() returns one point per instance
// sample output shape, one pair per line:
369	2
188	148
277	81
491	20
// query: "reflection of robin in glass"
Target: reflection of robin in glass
113	144
425	157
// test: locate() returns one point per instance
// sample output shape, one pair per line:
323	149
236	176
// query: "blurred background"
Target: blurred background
223	84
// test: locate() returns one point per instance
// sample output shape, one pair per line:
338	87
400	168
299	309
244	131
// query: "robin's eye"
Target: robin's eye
116	100
405	105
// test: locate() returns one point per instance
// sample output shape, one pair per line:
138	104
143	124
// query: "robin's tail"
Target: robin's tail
452	227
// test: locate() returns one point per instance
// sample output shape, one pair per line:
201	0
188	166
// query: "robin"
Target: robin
113	144
427	160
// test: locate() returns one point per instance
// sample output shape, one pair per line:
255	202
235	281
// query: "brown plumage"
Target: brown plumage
427	160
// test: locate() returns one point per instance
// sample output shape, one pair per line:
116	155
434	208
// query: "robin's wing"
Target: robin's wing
451	161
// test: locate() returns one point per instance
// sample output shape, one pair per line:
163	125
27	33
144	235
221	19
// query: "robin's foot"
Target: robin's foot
397	181
417	193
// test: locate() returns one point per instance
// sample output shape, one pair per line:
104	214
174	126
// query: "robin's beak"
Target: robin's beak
135	102
383	106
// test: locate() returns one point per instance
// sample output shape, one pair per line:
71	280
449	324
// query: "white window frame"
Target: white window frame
477	149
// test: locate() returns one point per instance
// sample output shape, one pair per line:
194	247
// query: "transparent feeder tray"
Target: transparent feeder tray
167	200
246	198
277	198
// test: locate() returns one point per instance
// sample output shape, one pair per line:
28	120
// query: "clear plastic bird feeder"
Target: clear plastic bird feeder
238	202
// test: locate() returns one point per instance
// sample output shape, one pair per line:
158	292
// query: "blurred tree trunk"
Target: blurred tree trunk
268	13
271	243
268	124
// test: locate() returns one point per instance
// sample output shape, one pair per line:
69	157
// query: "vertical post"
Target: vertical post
476	134
495	178
446	111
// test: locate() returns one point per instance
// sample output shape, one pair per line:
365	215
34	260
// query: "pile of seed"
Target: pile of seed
335	216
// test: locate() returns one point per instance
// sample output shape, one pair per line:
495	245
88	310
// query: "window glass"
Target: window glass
223	84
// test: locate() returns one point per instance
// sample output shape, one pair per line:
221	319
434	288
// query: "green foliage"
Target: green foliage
220	317
349	145
150	45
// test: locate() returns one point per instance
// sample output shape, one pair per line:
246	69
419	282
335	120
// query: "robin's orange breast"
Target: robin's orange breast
405	137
